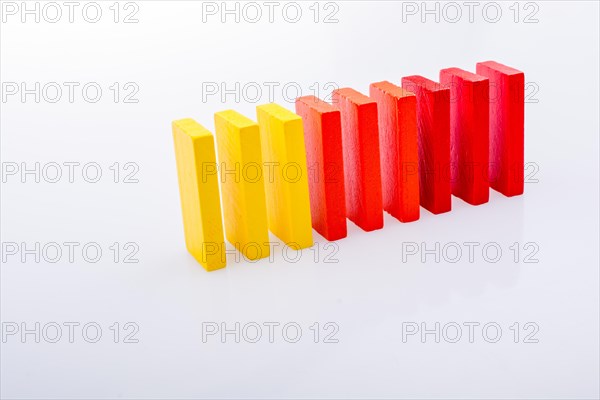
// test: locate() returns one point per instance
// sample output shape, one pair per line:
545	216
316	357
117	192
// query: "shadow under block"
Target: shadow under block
323	140
360	142
433	122
286	177
242	184
469	134
199	192
507	127
399	152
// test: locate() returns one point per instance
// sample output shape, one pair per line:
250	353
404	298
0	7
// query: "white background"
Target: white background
374	289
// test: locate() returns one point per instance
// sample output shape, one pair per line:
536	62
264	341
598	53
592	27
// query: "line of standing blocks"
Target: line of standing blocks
396	150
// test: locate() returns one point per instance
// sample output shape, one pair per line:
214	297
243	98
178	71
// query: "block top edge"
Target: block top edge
191	128
464	74
393	90
505	69
317	104
235	118
279	112
425	83
354	96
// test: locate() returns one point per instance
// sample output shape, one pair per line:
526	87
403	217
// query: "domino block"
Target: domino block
433	122
199	193
469	134
242	183
397	116
360	142
286	179
507	127
323	140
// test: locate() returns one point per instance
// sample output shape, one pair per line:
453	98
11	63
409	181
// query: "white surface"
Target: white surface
370	292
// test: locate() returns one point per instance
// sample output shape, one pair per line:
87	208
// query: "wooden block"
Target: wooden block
323	140
507	127
399	152
433	121
199	192
242	183
286	180
360	142
469	134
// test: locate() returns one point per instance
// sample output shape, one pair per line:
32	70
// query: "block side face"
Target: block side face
256	244
199	193
350	145
516	133
408	160
188	192
458	129
441	150
210	204
313	139
426	159
228	148
478	150
296	179
370	160
389	144
498	145
333	173
274	156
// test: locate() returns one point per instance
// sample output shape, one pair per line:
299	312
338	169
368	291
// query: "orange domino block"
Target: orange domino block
433	121
323	139
241	171
507	127
360	141
397	114
469	134
199	192
286	178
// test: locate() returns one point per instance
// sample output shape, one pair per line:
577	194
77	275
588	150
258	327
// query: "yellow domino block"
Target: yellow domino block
286	180
199	192
240	165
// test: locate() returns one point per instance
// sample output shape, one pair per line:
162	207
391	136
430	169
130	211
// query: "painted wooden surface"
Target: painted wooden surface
199	193
433	122
507	127
286	181
323	140
362	174
469	134
242	184
397	115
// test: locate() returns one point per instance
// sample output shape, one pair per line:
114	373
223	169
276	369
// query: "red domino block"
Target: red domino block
469	134
507	127
360	142
433	121
323	140
399	157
